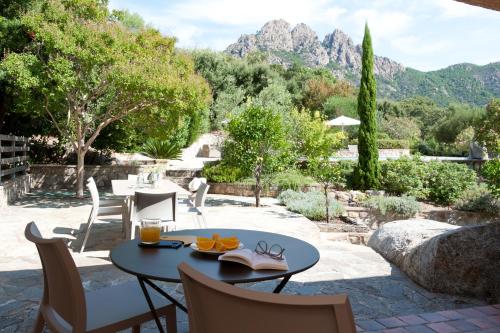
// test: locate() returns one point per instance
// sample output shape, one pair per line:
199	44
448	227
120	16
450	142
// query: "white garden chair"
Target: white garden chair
198	204
162	206
100	208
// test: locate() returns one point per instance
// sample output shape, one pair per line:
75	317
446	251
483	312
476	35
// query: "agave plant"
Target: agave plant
156	148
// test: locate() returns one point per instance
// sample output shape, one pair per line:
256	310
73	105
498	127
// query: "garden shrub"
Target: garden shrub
157	148
404	176
310	204
404	206
388	143
221	173
478	199
290	179
446	181
491	173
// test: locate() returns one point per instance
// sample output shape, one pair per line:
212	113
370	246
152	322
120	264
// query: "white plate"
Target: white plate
213	251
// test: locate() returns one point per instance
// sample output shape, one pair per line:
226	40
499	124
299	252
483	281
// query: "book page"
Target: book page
265	262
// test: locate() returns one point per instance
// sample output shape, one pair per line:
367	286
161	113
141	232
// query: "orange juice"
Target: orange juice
150	235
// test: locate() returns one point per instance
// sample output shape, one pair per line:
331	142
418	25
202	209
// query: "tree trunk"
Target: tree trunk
327	204
80	172
258	186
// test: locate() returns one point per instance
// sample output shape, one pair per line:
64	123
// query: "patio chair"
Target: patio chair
132	178
215	306
198	204
154	205
100	208
194	185
66	307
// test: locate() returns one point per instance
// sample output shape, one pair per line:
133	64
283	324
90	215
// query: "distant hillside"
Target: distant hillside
285	45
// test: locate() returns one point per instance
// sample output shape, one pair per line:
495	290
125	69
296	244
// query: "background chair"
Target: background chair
213	306
66	307
198	204
100	208
132	178
154	205
194	185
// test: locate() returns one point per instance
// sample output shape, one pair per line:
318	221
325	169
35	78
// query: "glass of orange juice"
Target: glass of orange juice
150	231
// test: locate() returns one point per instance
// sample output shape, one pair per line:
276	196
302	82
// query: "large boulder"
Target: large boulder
443	257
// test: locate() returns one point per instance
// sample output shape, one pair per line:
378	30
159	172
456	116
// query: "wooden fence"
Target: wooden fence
13	156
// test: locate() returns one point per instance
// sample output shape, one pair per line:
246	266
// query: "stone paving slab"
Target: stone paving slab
485	319
376	288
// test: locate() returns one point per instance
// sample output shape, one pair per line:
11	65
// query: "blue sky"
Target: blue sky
423	34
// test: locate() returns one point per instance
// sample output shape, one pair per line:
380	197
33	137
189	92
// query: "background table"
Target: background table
124	187
161	263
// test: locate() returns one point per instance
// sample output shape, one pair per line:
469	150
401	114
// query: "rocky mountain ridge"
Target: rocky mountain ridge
283	43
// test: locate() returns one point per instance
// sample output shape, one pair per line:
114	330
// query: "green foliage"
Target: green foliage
310	204
41	151
85	71
461	83
404	176
257	144
289	179
446	181
310	137
400	128
221	173
157	148
431	147
478	199
488	127
256	137
132	21
367	173
388	143
404	206
336	106
491	173
456	119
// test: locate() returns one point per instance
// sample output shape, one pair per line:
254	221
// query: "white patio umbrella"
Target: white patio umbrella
342	121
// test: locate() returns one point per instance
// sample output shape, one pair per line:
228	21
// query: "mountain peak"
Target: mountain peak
285	45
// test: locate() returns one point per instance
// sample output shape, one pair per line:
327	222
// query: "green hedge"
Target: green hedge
220	173
436	181
388	143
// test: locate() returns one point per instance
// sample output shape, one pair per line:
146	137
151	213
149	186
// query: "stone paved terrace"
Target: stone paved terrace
376	288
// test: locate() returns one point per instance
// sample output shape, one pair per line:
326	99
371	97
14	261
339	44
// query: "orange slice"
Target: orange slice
215	236
205	245
219	246
230	243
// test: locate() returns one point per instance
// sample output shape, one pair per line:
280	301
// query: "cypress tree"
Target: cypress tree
367	171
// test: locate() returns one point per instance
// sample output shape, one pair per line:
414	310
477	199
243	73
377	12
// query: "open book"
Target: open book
254	260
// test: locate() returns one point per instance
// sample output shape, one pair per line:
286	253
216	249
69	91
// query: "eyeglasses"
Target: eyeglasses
275	251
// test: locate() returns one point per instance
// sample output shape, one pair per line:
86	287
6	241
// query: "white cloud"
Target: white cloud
452	9
414	45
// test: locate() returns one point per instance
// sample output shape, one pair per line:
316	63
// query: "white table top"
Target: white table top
124	187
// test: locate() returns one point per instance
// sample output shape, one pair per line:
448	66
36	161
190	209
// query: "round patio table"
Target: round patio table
160	264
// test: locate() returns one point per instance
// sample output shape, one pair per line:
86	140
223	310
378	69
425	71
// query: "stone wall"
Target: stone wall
13	189
54	176
247	190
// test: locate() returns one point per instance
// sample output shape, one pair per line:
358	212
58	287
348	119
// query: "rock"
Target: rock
307	45
442	257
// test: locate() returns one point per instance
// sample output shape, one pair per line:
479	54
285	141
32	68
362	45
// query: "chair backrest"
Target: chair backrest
155	205
201	195
195	183
215	306
132	178
94	193
63	302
